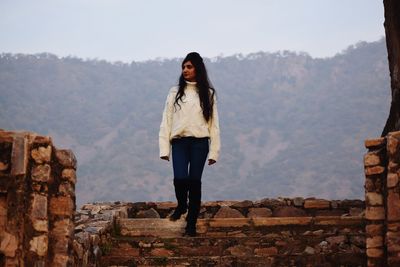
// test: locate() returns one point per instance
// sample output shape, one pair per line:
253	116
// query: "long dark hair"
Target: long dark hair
205	89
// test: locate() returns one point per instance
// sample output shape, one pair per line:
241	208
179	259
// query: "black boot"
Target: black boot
181	193
194	207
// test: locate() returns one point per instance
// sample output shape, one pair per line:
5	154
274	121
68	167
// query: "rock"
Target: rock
316	204
61	206
271	203
243	204
356	211
41	173
39	245
227	212
318	232
392	180
69	175
370	143
393	205
309	250
374	199
374	242
66	158
40	225
150	213
239	251
41	154
298	202
269	251
371	159
259	212
374	170
8	244
288	211
161	252
336	239
39	206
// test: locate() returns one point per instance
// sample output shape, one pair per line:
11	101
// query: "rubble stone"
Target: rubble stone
41	173
259	212
41	154
66	158
39	245
69	175
227	212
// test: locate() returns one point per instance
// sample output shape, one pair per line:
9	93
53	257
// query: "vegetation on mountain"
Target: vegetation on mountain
291	125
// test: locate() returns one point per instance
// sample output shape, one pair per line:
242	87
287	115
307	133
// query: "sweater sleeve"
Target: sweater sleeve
165	128
215	144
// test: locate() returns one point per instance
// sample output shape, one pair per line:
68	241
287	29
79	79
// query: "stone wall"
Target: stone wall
284	230
37	201
382	194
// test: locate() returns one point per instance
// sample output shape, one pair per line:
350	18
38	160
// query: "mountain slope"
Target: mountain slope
290	124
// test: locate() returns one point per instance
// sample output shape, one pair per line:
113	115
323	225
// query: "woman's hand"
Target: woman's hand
211	162
165	158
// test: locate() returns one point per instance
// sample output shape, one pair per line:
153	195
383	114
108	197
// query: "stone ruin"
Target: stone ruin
37	201
40	225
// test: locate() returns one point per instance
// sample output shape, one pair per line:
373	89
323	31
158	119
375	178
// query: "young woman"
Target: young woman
190	126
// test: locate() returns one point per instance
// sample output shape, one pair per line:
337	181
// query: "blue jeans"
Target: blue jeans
189	154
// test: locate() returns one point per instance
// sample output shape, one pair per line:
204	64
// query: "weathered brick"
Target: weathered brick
269	251
161	252
373	198
229	222
282	221
40	225
69	175
66	158
41	154
61	206
375	242
39	206
374	230
369	185
337	220
392	145
41	173
371	159
316	204
375	213
374	170
259	212
19	155
8	244
66	189
375	252
369	143
393	241
393	205
39	245
227	212
60	260
392	180
239	251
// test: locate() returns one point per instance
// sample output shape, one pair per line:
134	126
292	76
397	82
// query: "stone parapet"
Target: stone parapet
32	230
382	200
108	234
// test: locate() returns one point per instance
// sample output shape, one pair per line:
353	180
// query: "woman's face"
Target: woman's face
189	72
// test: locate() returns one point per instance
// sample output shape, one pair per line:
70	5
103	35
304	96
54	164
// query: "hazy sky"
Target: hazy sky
129	30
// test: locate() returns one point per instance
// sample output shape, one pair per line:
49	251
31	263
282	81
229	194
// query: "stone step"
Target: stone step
225	226
339	259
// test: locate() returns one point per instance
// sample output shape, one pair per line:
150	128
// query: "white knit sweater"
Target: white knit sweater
188	120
